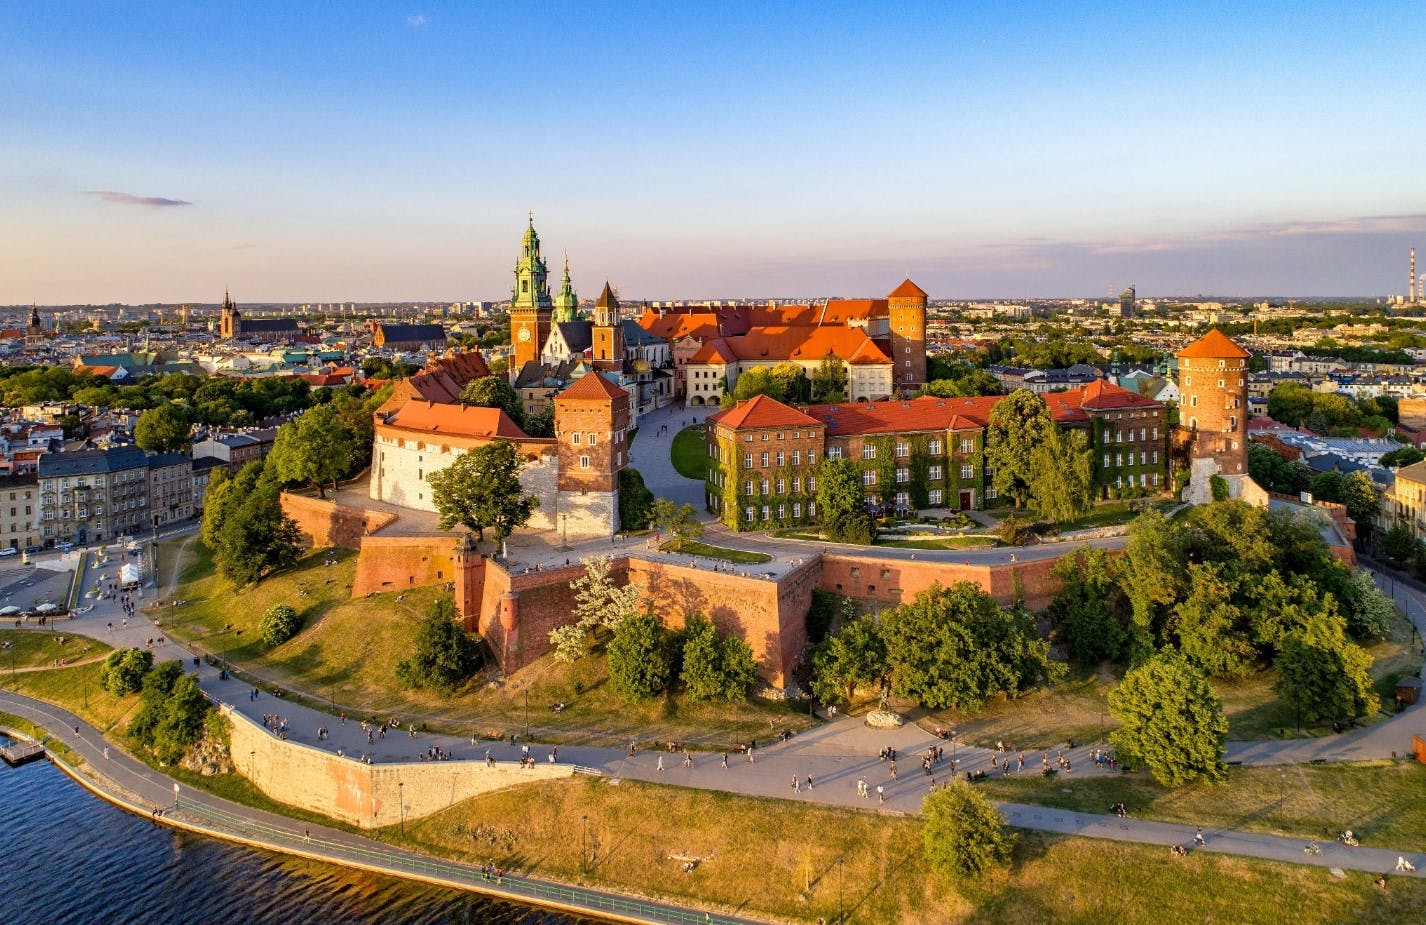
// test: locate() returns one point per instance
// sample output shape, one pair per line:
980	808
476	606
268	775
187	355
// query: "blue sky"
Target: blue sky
163	151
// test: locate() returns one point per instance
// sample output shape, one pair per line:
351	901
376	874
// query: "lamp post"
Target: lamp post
584	845
527	716
564	532
401	803
840	877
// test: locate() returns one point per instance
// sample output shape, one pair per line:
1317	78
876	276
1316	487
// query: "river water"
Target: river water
69	857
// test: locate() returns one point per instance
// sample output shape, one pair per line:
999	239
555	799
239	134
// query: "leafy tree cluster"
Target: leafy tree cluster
959	380
715	667
164	429
786	382
1327	413
171	714
1051	353
645	658
123	671
383	368
829	381
494	392
1356	491
681	520
480	490
444	654
963	835
1327	347
1171	721
1405	456
245	527
1091	610
600	606
855	657
956	648
279	623
1034	460
1274	473
636	502
841	505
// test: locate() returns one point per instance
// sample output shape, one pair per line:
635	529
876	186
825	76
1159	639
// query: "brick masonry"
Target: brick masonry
331	524
366	795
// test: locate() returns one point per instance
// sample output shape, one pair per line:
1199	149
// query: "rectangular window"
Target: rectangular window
934	473
903	448
869	477
1156	433
903	476
782	486
764	461
968	445
593	439
797	484
902	500
797	457
575	438
990	493
1143	433
780	459
782	512
934	496
1106	460
767	512
764	486
811	508
869	451
967	472
1118	459
812	457
748	488
747	460
811	483
797	509
749	514
833	452
933	447
1156	457
584	462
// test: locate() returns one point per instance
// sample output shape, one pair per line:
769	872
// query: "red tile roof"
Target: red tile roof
1215	345
762	411
775	344
593	385
907	290
1101	395
455	420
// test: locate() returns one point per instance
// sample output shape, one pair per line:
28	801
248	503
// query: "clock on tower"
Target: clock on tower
531	307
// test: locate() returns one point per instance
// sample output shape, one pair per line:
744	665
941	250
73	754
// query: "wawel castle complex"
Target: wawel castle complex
601	372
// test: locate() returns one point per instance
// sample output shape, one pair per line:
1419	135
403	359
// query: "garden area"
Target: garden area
690	453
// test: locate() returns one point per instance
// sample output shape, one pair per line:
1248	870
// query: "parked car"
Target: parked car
9	551
64	547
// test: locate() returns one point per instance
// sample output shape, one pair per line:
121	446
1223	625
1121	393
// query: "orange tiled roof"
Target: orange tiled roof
593	385
1215	345
1101	395
762	411
455	420
907	290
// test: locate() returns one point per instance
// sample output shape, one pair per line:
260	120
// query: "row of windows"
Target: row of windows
764	437
1144	459
1126	436
903	475
781	485
750	514
781	458
902	448
1145	480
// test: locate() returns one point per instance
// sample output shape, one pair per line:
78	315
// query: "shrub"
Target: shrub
636	502
444	654
638	657
172	712
124	669
1016	530
963	835
714	667
279	624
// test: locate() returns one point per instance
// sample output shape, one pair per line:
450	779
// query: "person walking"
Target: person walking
796	784
660	767
1198	837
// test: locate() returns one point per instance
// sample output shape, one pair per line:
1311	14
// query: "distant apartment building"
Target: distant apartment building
170	488
1404	502
19	503
93	496
202	470
235	450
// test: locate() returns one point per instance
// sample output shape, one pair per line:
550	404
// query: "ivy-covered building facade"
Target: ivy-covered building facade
913	454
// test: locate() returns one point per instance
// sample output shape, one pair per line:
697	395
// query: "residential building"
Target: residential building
170	488
19	511
93	496
235	450
1405	501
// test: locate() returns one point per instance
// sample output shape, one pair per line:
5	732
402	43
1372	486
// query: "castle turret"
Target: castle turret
906	306
607	336
1213	400
566	302
591	425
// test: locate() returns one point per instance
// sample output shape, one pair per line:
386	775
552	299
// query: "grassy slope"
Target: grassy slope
695	548
690	453
348	650
33	648
761	855
1383	802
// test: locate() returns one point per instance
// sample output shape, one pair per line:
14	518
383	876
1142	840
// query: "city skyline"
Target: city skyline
162	153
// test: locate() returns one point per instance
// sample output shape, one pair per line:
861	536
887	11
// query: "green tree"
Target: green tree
315	449
636	502
480	490
494	392
955	648
963	834
757	381
1061	476
256	538
1322	674
1152	579
1363	501
841	505
1018	424
1328	486
171	712
681	520
854	657
164	429
279	623
639	664
123	671
796	389
1211	626
829	380
1089	606
715	667
541	423
1405	456
1290	403
1171	721
599	605
1398	543
443	655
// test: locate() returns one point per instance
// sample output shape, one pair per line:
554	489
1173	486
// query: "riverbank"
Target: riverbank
121	780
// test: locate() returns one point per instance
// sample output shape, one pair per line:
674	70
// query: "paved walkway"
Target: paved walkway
836	755
131	783
650	454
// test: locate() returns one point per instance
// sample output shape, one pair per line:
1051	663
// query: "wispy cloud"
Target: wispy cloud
129	199
244	247
417	21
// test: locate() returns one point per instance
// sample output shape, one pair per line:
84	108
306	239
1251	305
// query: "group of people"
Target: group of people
277	725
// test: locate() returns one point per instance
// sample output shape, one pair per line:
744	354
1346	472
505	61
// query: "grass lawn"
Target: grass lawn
1075	709
694	548
33	648
949	542
348	650
77	690
690	453
781	858
1380	801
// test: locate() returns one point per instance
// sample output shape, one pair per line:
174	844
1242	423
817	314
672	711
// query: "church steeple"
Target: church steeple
566	302
530	302
608	333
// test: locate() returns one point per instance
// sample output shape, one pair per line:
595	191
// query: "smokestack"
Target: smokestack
1413	275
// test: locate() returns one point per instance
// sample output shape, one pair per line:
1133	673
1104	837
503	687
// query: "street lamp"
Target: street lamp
401	802
840	877
527	716
584	845
564	532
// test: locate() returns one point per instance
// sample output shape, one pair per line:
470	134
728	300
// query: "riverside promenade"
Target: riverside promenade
114	776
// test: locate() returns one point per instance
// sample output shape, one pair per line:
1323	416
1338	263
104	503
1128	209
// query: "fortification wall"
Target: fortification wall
892	581
331	524
366	795
392	563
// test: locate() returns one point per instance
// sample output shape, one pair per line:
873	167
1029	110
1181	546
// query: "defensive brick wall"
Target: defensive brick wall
366	795
393	563
892	581
331	524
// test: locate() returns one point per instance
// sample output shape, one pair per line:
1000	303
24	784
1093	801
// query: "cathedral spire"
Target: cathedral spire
566	302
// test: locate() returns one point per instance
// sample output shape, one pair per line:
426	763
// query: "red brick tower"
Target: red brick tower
907	310
1213	402
607	334
591	425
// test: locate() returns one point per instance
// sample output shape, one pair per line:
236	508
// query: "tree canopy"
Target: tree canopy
1171	721
639	658
245	527
963	834
854	657
444	655
841	504
164	429
715	667
1018	424
315	449
494	392
480	490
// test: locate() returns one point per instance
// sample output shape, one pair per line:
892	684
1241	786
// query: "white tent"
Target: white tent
9	609
128	574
